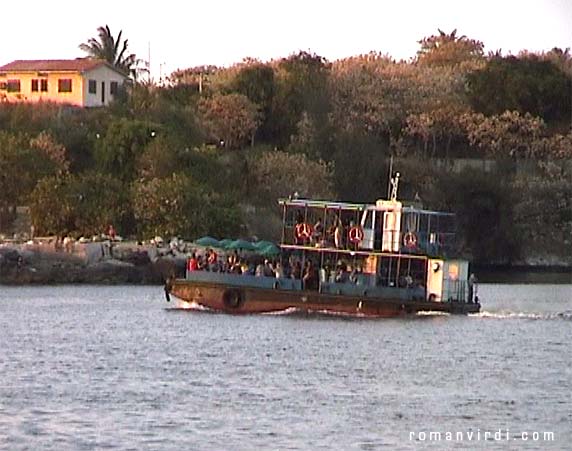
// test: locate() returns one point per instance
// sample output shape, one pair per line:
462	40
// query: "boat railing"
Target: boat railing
372	291
431	244
455	291
244	280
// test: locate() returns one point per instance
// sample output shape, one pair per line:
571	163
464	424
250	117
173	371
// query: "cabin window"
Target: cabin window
113	88
92	87
35	85
13	86
367	219
44	85
65	85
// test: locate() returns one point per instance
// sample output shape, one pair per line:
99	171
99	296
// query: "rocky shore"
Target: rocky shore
88	263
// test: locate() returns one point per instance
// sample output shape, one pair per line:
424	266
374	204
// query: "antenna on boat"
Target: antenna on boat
394	186
389	183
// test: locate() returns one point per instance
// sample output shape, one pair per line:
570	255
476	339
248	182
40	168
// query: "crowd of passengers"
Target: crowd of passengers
291	268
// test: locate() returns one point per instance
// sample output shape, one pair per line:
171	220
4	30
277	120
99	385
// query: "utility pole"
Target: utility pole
149	62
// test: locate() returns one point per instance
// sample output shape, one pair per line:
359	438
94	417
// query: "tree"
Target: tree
178	206
440	128
121	145
159	159
375	94
509	135
81	205
449	50
528	85
301	86
231	118
256	81
24	161
279	174
112	50
359	166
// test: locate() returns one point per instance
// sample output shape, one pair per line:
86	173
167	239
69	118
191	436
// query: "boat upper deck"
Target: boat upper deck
385	227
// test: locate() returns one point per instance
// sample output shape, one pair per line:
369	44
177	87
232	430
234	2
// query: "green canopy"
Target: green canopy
262	244
241	244
269	251
207	241
224	243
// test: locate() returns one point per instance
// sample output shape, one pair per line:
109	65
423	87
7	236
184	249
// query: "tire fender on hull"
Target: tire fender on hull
232	298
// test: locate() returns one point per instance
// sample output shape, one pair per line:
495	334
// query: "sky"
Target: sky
181	34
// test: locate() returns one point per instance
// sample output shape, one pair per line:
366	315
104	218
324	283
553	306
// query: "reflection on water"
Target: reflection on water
117	367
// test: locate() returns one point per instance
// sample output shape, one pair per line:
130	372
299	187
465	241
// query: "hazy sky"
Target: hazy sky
189	33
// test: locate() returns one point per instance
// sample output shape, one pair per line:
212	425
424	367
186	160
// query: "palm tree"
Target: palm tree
107	48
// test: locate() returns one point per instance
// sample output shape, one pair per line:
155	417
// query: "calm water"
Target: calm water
88	367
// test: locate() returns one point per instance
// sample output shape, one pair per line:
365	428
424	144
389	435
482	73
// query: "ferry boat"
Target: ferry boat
381	260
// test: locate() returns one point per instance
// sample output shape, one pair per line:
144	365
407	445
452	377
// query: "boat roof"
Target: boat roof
335	205
302	203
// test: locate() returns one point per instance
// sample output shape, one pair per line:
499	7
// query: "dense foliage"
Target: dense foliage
486	136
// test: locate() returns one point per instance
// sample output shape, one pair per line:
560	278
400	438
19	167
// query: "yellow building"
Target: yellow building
83	82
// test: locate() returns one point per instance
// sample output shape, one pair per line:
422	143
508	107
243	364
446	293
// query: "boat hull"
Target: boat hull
247	300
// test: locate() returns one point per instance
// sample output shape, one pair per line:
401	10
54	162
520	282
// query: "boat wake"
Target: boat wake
303	313
189	306
431	313
286	312
503	314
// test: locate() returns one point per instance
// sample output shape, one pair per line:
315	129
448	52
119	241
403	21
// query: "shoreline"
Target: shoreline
134	264
115	272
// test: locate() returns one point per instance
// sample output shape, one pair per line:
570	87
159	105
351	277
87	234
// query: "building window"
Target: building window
44	85
3	86
92	87
13	86
113	88
64	85
35	85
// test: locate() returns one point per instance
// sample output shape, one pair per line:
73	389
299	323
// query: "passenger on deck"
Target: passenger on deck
192	263
408	281
354	275
268	269
212	260
472	282
232	259
310	279
279	272
297	270
318	231
236	268
341	273
259	272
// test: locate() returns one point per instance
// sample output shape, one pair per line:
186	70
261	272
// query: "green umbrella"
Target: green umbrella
224	243
269	251
262	244
241	244
207	241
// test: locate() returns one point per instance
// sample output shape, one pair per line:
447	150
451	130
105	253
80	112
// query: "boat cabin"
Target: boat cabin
385	249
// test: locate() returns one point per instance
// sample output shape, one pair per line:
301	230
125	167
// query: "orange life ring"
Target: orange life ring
304	231
355	235
410	240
